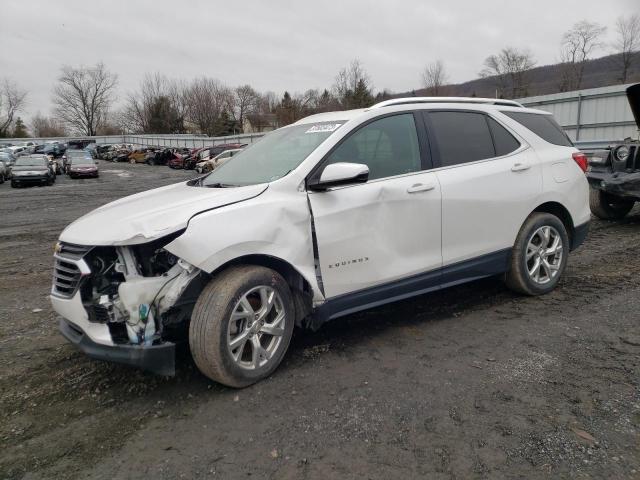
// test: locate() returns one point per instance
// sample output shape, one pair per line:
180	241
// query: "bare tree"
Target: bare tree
577	44
160	106
509	70
83	97
352	87
12	100
434	77
208	100
627	42
245	101
46	126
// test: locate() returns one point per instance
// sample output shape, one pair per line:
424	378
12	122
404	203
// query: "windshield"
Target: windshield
31	162
81	161
271	158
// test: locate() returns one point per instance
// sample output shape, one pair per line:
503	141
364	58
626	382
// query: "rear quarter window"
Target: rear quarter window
542	125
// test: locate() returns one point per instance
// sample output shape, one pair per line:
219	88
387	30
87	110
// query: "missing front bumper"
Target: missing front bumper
159	359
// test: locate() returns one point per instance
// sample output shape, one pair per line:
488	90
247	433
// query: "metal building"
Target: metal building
592	115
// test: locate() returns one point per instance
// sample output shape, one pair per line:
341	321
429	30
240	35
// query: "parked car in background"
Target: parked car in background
19	149
8	158
614	171
3	172
213	163
82	167
337	213
207	153
55	149
32	170
73	154
176	161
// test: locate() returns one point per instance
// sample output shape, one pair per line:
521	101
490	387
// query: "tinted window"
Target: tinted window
542	125
462	137
388	146
503	141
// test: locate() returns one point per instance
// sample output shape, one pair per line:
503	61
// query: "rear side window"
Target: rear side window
542	125
504	142
462	137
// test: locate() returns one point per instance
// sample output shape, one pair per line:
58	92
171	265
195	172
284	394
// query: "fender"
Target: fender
275	224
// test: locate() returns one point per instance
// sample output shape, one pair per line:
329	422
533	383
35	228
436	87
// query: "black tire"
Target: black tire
518	278
14	184
210	322
608	207
2	179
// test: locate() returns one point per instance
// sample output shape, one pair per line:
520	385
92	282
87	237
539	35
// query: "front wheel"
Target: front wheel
241	325
608	207
539	256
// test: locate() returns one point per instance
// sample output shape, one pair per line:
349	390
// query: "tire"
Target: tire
2	179
210	331
608	207
14	184
519	277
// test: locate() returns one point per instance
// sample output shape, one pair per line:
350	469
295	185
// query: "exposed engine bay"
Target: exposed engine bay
137	291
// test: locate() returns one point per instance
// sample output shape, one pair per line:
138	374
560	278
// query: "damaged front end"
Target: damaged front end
127	304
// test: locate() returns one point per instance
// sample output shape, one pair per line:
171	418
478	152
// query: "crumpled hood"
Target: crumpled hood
152	214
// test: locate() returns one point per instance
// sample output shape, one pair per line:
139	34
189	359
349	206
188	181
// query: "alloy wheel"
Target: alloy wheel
544	254
256	327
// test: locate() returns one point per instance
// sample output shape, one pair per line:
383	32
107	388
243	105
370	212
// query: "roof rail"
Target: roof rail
486	101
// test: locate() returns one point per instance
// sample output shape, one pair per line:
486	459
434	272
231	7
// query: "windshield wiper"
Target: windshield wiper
220	185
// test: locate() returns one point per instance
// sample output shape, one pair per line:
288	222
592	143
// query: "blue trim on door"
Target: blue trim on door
462	272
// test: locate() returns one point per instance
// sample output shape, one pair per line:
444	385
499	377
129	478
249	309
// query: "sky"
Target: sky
279	45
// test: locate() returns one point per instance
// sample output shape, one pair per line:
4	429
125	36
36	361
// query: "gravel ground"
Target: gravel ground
472	382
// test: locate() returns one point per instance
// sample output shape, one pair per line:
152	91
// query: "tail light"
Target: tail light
581	159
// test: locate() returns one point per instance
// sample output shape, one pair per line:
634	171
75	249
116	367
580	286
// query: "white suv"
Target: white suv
336	213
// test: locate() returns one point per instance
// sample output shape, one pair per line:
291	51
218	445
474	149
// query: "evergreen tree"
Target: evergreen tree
361	96
20	130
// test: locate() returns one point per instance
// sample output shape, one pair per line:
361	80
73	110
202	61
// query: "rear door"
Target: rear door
388	228
490	180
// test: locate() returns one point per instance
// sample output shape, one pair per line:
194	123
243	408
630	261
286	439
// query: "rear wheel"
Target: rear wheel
539	256
241	325
608	207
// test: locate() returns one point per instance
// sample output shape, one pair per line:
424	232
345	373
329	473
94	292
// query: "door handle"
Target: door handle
520	167
421	187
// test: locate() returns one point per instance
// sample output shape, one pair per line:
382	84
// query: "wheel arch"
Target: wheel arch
301	289
560	211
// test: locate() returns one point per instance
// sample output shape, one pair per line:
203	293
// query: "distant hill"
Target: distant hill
599	72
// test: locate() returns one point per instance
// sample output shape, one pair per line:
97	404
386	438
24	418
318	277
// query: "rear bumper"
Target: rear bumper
159	359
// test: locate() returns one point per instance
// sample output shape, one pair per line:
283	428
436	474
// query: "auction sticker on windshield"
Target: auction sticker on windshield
324	127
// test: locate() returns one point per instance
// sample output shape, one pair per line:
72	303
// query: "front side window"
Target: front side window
462	137
388	146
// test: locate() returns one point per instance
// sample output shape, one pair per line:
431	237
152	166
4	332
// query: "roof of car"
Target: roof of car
438	102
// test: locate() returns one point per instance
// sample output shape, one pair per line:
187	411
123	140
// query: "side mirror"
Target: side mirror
337	174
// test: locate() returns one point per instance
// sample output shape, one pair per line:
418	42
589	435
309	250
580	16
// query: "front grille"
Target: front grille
69	269
73	251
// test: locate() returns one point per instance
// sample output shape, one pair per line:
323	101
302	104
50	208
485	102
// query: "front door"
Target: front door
388	228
